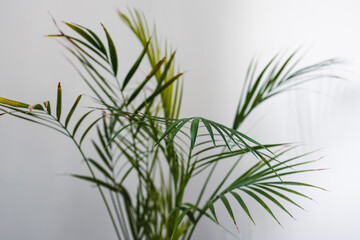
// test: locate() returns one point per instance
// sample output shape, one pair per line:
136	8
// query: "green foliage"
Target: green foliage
139	133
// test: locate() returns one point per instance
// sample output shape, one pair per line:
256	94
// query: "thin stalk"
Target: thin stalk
93	176
117	211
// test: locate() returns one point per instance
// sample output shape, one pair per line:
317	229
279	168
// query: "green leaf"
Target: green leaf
212	210
38	122
100	168
193	131
166	70
122	129
97	182
72	110
80	54
58	102
48	107
262	203
135	66
17	104
228	208
221	134
179	219
88	129
112	51
242	204
279	194
268	196
13	103
293	184
148	77
276	77
158	91
80	121
103	137
39	107
82	33
168	130
286	189
100	54
100	45
234	133
73	40
177	129
102	155
208	127
191	216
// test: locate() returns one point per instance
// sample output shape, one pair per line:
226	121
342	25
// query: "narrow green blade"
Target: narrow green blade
100	168
193	131
112	52
148	77
212	210
243	205
13	103
229	209
271	198
80	121
58	102
97	182
262	203
83	34
208	127
135	66
72	110
48	107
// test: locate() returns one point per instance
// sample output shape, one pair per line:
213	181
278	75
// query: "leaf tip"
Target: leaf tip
237	228
106	115
280	224
30	108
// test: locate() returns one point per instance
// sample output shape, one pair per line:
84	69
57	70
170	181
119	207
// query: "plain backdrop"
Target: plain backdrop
215	41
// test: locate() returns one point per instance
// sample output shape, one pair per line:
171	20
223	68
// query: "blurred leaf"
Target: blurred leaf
262	203
148	77
100	168
276	77
72	110
112	51
135	66
97	182
242	204
228	208
13	103
194	130
85	35
80	121
48	107
58	102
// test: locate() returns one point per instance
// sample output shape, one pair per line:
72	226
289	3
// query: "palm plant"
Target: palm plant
141	139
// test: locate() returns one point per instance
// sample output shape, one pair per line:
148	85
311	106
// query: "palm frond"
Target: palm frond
276	77
256	184
170	96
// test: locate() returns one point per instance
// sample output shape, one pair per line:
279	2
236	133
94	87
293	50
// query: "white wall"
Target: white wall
215	42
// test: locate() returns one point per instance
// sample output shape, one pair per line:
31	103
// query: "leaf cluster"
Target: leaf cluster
147	157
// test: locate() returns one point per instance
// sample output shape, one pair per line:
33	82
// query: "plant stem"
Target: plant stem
93	176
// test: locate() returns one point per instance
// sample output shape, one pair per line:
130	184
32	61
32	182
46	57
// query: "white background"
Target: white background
215	41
